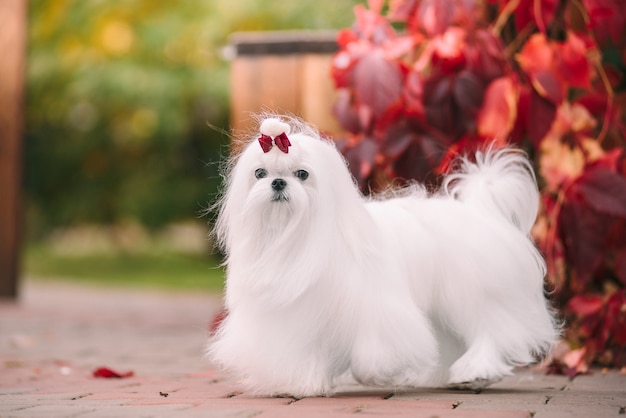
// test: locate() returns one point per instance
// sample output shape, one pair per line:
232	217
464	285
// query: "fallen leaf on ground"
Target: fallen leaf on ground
107	373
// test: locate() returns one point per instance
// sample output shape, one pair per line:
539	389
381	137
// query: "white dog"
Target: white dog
405	291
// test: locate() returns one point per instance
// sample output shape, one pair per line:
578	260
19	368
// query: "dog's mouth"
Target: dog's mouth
280	197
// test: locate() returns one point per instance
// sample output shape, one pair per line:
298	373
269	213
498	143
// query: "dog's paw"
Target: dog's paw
396	378
475	386
288	396
296	393
476	366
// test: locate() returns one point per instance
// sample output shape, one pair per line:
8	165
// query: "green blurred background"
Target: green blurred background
126	122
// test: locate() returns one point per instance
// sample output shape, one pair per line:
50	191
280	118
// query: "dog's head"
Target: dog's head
286	181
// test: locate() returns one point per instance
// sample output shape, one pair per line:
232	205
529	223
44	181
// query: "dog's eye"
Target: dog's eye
302	174
260	173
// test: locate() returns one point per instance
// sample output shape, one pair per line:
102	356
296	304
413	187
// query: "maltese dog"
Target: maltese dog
410	289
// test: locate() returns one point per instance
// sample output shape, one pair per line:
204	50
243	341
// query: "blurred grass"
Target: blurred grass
164	269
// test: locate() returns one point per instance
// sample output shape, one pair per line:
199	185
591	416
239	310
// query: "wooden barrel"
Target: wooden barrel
282	72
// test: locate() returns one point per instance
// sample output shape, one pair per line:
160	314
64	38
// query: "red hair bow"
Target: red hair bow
281	141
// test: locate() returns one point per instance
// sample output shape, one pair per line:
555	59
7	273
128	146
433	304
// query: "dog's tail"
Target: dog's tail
501	181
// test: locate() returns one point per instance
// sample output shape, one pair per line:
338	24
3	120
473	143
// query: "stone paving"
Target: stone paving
59	333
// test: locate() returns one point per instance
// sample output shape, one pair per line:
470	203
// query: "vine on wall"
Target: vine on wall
421	80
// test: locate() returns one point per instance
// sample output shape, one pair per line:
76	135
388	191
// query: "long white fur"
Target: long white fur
413	290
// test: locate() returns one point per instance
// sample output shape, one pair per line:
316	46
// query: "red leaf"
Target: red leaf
539	115
536	55
377	82
345	37
402	10
525	13
584	305
341	69
435	16
396	48
372	26
568	362
499	110
607	20
217	321
583	234
537	59
620	265
396	144
575	362
361	158
594	204
438	103
523	109
375	6
449	50
468	94
451	102
616	316
571	62
609	161
595	103
111	374
346	112
549	86
467	145
485	56
419	158
604	191
413	95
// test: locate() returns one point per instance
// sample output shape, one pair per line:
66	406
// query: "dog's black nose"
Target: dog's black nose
278	184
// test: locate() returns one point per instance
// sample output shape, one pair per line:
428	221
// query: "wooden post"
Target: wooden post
283	72
12	45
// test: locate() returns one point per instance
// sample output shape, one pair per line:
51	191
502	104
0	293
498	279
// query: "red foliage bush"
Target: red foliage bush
419	81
